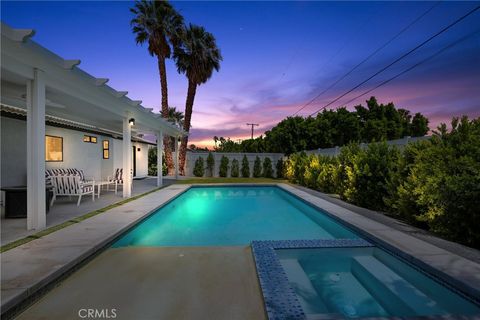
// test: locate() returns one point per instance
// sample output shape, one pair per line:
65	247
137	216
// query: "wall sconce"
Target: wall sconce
131	122
138	149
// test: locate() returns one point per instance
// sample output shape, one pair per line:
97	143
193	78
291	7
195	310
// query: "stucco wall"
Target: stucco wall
76	153
193	156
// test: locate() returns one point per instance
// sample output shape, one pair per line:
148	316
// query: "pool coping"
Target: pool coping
33	266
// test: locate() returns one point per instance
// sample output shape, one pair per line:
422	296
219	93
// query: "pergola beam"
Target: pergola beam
101	81
69	64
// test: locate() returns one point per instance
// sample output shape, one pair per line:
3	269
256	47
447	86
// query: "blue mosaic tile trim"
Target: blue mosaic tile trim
280	299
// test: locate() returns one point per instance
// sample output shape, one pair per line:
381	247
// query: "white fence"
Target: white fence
398	142
193	156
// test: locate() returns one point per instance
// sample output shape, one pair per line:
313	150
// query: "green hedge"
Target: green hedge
434	184
223	170
199	168
245	167
234	172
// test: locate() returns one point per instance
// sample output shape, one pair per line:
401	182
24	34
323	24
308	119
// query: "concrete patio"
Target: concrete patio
65	209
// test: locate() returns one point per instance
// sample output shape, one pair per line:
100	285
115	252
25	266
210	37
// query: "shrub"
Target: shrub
199	168
223	171
327	176
210	163
152	163
367	178
267	168
444	183
279	168
234	171
245	167
312	170
257	168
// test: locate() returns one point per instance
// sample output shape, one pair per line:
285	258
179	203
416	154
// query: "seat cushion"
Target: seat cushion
87	189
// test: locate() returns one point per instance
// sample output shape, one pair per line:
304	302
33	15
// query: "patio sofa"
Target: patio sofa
69	182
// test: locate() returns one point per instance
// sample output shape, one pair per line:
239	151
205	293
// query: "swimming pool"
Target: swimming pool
233	215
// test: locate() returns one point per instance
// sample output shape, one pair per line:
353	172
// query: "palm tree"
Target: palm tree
160	25
197	57
175	117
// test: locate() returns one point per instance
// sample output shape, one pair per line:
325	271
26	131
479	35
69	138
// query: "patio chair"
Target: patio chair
62	172
117	178
72	185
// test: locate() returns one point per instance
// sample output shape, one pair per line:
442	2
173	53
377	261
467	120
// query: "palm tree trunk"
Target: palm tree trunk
192	89
166	139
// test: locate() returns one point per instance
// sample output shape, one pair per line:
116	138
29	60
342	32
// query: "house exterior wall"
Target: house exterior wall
193	156
76	153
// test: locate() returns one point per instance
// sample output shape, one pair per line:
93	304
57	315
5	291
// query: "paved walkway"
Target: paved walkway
160	283
65	209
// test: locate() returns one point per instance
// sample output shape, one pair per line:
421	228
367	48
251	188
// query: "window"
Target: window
106	149
90	139
53	149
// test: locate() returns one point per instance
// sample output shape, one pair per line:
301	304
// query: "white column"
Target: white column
159	159
176	157
36	210
127	158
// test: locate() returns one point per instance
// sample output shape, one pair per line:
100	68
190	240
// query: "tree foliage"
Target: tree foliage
223	170
279	169
330	128
267	168
245	167
257	168
199	168
210	163
235	170
434	184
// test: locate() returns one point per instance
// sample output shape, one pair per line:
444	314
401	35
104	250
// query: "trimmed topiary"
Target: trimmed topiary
234	171
257	168
199	168
279	169
267	168
245	167
223	171
210	164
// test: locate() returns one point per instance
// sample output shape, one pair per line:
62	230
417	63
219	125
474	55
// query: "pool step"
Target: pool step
309	299
395	294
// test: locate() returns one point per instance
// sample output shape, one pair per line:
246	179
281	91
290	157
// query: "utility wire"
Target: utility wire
370	56
451	45
399	58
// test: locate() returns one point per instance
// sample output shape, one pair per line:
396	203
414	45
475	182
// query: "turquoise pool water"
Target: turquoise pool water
205	216
366	282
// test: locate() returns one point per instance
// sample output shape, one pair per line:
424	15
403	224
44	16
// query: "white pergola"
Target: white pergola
36	79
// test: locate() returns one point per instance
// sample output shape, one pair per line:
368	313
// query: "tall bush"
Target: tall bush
312	171
210	163
199	168
444	182
257	168
327	180
279	169
267	168
367	178
234	171
223	170
245	167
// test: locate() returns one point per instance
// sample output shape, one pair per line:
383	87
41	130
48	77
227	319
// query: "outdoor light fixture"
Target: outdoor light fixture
131	122
138	149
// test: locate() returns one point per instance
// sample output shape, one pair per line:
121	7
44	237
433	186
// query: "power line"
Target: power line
398	59
370	56
451	45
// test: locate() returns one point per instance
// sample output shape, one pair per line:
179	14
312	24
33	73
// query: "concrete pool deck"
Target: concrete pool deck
162	283
28	268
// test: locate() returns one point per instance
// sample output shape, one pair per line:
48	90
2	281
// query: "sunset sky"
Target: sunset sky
277	56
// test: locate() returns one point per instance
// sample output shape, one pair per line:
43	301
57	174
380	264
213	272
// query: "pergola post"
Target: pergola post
176	158
127	157
159	159
36	202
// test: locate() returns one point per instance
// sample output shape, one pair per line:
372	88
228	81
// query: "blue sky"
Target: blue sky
277	56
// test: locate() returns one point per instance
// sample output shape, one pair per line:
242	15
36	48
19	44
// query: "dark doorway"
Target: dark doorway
134	166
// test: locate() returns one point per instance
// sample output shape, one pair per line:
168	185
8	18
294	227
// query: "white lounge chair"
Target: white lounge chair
72	185
117	179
